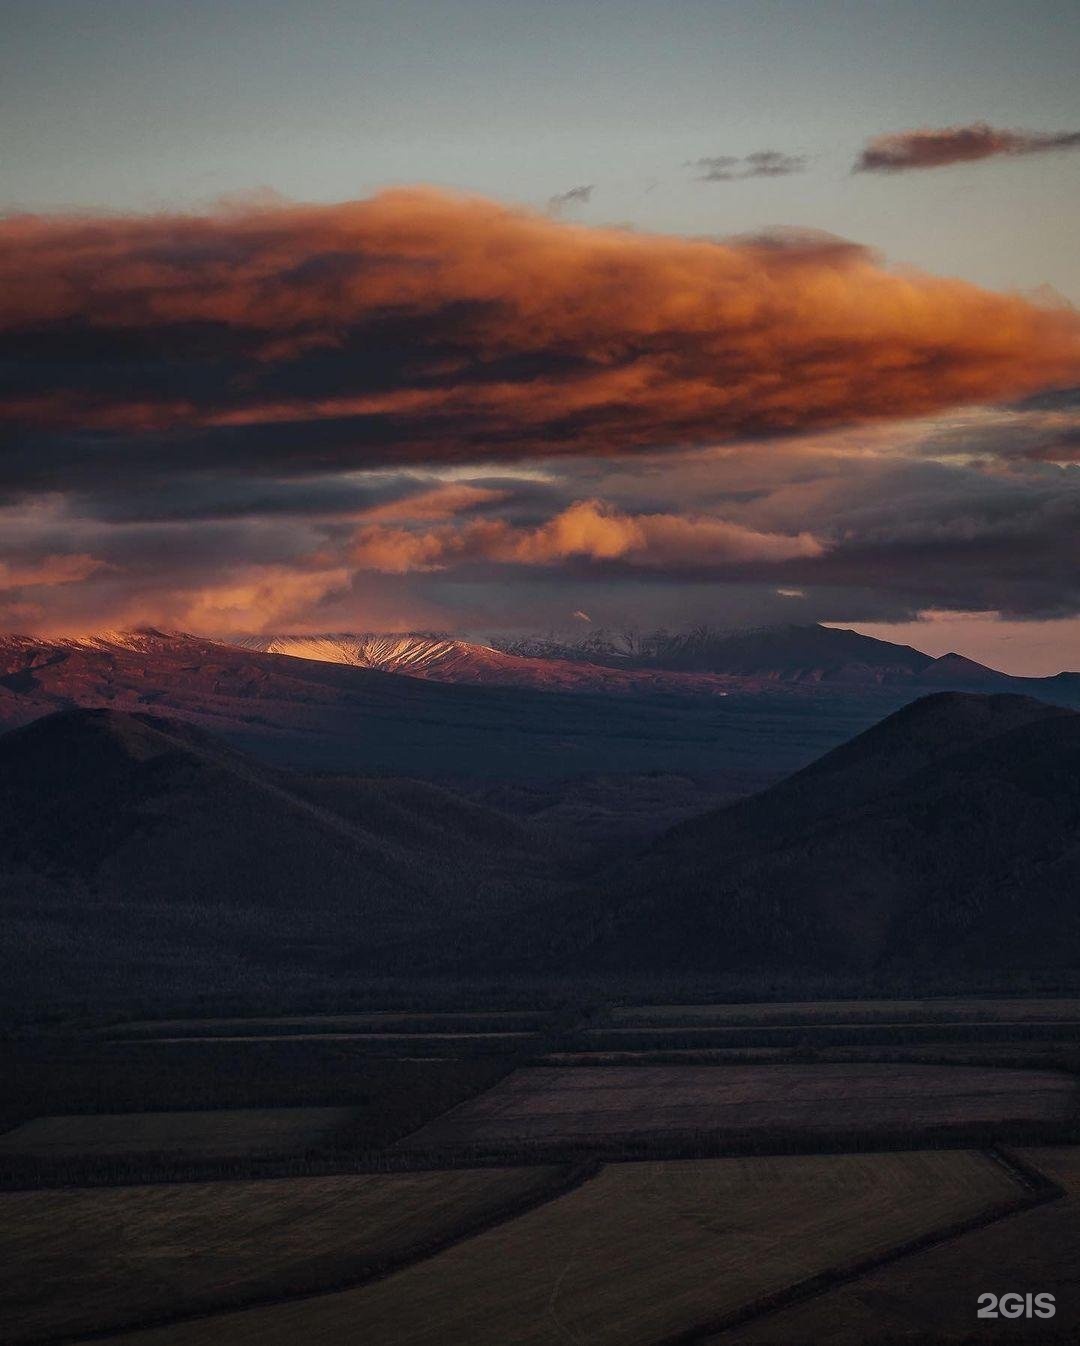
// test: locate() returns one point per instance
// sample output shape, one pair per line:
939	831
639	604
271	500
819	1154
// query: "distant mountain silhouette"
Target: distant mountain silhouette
953	669
948	834
781	653
696	662
815	655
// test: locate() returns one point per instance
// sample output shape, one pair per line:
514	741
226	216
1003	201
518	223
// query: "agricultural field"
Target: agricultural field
638	1253
77	1261
218	1134
553	1104
935	1291
330	1173
390	1097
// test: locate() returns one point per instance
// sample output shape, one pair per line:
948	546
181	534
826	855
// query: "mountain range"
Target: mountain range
195	813
445	658
332	715
701	661
612	744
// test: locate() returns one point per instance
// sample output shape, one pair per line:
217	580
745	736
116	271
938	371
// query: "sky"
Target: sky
477	316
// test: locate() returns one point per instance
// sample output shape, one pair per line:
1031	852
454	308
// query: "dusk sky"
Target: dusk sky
481	316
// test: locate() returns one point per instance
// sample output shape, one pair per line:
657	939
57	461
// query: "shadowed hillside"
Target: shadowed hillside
142	855
948	834
134	848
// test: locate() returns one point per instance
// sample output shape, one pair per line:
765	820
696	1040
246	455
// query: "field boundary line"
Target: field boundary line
1038	1189
569	1180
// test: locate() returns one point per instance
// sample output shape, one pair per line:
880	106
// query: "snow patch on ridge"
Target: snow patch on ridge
416	654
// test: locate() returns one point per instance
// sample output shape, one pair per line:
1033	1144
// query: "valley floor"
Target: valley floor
464	1177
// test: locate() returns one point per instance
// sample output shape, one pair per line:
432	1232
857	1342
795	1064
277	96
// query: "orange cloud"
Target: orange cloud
441	502
48	571
423	326
252	598
587	529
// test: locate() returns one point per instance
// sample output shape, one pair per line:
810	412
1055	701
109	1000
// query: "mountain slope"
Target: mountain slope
133	846
949	834
416	654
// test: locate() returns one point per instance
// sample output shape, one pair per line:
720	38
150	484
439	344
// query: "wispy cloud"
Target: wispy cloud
46	571
928	147
575	196
761	164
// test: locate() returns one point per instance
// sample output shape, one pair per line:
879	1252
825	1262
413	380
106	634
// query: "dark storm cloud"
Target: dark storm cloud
899	151
932	535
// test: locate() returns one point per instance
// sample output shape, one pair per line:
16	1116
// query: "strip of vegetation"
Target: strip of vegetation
515	990
813	1036
719	1144
1040	1055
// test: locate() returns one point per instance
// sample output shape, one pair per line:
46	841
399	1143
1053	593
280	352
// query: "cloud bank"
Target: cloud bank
589	529
421	327
425	410
899	151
